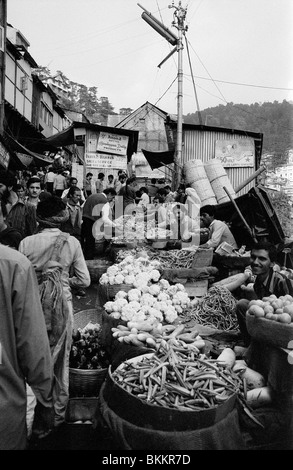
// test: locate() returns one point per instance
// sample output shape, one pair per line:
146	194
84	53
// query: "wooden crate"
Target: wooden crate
197	288
202	257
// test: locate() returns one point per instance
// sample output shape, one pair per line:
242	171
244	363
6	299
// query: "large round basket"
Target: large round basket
83	317
82	382
271	332
97	267
140	413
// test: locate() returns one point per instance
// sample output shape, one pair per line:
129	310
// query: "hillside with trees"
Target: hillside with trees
273	120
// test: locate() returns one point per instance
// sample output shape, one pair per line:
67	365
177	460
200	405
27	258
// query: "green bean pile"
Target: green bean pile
216	309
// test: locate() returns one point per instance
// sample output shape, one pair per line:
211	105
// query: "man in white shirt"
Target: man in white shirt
73	182
219	230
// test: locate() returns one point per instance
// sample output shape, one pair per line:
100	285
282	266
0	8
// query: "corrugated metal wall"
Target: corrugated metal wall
201	145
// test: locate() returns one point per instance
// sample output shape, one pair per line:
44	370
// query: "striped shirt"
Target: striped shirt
276	283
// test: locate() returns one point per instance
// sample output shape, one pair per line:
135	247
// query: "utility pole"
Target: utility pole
180	14
3	27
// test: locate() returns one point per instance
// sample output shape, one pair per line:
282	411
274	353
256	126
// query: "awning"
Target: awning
67	137
158	159
21	152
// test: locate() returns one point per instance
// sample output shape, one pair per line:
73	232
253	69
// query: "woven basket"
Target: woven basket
97	267
83	317
111	290
270	332
86	383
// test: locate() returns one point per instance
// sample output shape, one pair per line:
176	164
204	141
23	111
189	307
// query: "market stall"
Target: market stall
150	322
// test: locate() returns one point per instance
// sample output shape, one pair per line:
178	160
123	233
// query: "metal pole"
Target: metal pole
178	158
3	25
180	14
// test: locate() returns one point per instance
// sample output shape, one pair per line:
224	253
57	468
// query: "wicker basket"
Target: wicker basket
83	317
86	383
82	382
111	290
270	332
97	267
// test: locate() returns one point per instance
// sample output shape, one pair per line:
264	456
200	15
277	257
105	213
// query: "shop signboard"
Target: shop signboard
112	143
104	161
234	153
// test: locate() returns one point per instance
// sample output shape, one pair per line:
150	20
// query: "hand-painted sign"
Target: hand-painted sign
112	143
235	152
104	160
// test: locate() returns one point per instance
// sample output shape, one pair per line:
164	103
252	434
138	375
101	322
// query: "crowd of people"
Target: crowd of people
35	210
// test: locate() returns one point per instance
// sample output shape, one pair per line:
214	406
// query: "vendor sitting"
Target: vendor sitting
267	281
219	230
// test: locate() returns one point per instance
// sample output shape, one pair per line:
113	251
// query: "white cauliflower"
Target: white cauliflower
121	294
154	289
109	306
155	275
144	289
181	298
163	296
113	270
119	279
134	294
129	279
162	306
115	315
127	313
119	304
128	260
135	305
104	279
147	299
180	287
172	290
111	280
140	316
153	312
145	309
170	315
164	284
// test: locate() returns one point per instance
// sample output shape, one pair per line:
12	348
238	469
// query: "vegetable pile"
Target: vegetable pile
132	271
146	335
178	378
216	309
174	259
156	302
273	308
86	351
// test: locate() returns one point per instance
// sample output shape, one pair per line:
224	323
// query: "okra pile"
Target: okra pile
180	380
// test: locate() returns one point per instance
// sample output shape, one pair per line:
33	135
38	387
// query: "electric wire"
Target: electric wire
194	88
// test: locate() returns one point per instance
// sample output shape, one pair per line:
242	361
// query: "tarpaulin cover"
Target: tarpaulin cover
257	209
224	435
158	159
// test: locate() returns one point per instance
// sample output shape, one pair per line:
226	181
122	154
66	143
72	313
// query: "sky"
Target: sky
234	51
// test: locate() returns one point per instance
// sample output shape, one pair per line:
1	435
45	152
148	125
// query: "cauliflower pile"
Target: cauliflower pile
155	301
132	271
